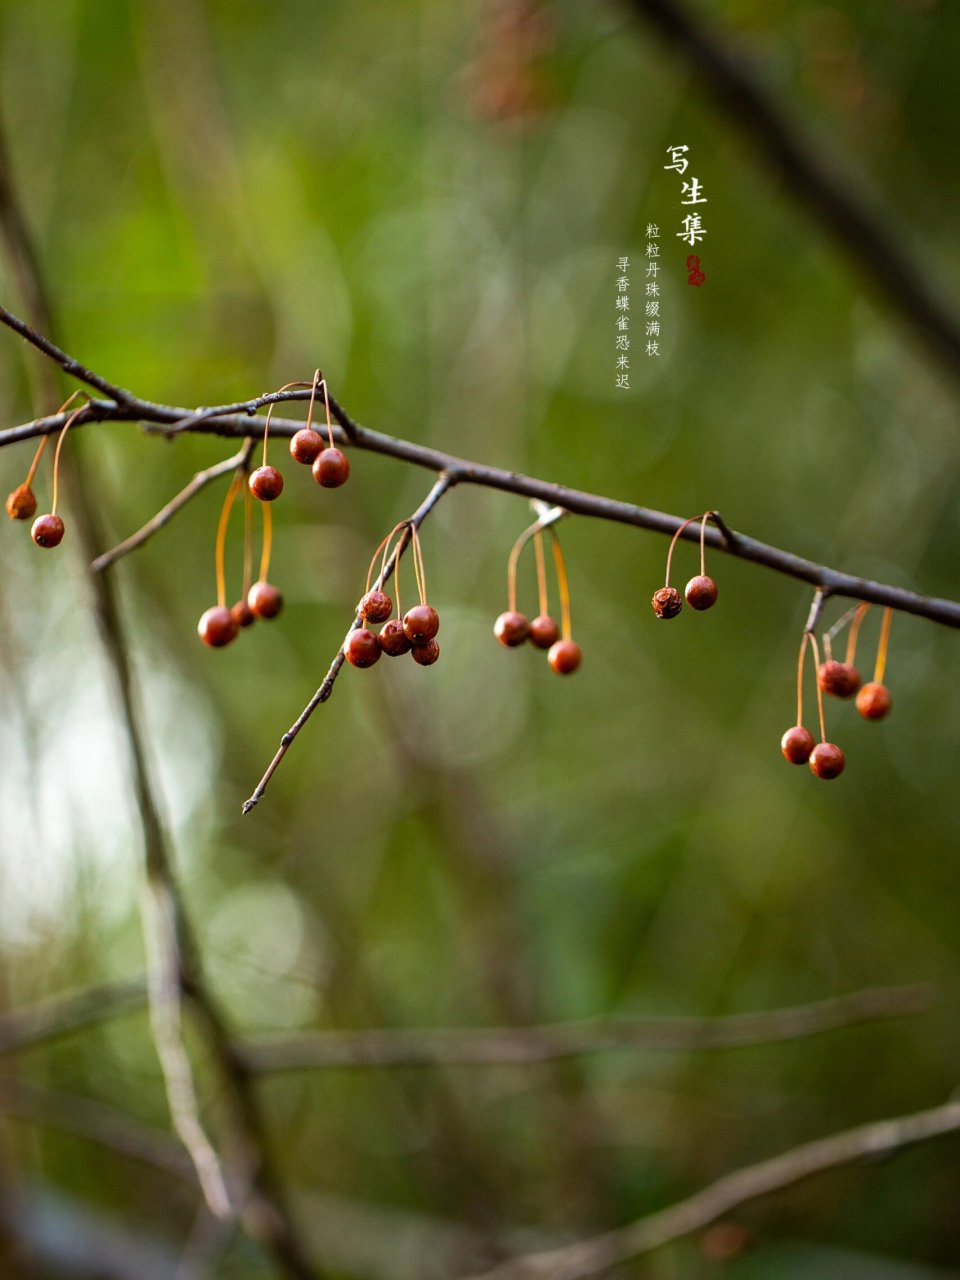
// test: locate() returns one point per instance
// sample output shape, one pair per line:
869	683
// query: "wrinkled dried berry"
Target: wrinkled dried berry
839	679
21	503
376	606
667	602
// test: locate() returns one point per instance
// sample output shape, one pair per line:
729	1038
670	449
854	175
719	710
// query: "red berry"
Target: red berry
362	649
22	503
305	445
667	602
265	600
331	468
376	606
266	483
242	614
217	627
427	653
511	629
874	701
47	531
839	679
393	639
701	592
421	623
827	760
796	744
544	632
564	657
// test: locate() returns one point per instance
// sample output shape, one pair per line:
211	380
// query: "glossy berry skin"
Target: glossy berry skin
667	602
47	531
874	701
421	623
564	657
393	639
827	760
511	628
376	606
22	503
242	614
362	649
797	744
426	654
701	593
265	600
544	631
839	679
266	483
305	445
331	468
216	627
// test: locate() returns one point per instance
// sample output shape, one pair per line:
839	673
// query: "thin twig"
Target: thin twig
446	481
25	1028
598	1254
499	1046
811	179
166	514
160	931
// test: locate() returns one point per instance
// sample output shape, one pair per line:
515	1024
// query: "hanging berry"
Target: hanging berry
700	592
873	700
826	760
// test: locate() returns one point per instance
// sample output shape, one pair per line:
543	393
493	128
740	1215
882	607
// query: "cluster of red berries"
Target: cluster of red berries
220	625
47	530
837	680
700	592
330	466
512	628
413	632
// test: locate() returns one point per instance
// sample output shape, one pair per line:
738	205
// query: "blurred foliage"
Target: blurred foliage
226	195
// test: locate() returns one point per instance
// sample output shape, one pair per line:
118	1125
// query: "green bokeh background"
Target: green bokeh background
226	195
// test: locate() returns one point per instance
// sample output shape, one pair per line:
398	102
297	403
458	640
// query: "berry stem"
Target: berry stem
266	433
247	539
803	650
222	537
673	543
543	598
858	617
562	585
816	658
267	542
882	647
36	461
326	405
313	396
703	535
56	457
418	567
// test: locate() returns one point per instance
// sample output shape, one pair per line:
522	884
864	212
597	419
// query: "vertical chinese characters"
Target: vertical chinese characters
623	324
651	306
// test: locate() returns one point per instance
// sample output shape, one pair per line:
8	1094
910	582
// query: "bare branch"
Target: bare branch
25	1028
832	582
160	932
499	1046
598	1254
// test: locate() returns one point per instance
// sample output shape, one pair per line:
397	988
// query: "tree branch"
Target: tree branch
593	1256
25	1028
832	582
876	251
499	1046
